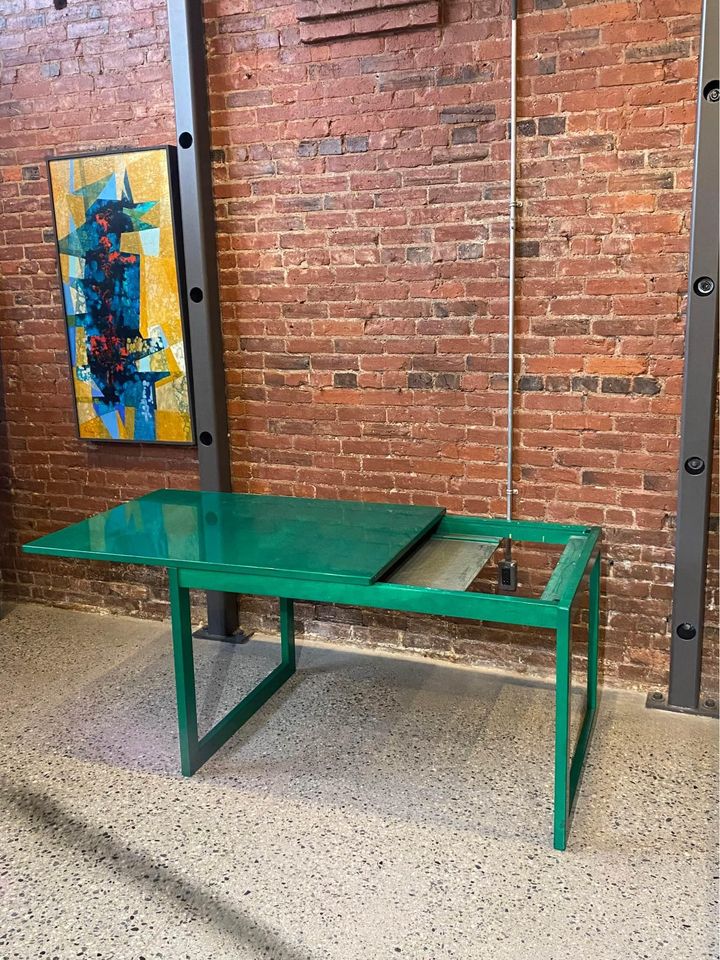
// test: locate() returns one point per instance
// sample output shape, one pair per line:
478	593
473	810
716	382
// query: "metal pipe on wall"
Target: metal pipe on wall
511	267
507	567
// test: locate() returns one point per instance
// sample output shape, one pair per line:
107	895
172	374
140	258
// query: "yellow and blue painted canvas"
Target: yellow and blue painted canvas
118	267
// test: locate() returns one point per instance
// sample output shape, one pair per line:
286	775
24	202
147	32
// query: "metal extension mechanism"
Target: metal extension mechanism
187	47
701	350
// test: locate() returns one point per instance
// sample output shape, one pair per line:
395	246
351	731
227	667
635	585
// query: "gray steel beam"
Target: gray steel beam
189	75
701	347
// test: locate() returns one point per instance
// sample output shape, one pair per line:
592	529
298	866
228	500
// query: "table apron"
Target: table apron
493	608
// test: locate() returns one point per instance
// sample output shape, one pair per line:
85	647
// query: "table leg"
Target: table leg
568	768
287	632
562	730
184	673
195	750
593	634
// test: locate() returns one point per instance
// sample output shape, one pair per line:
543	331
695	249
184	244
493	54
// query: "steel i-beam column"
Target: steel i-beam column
701	346
187	48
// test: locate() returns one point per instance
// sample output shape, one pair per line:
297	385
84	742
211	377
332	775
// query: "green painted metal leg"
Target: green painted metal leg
593	634
287	632
592	681
562	731
195	751
184	673
568	778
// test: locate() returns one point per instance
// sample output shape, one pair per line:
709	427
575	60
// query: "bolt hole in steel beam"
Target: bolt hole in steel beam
695	466
206	438
196	295
704	286
712	91
185	140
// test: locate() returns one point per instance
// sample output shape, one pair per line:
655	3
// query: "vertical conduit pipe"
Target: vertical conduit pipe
511	270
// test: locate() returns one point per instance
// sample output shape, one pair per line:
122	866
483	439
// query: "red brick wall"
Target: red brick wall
361	203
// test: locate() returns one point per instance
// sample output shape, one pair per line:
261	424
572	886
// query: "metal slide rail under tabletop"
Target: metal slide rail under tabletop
553	610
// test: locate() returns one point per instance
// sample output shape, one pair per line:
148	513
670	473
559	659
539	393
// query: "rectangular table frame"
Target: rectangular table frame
553	611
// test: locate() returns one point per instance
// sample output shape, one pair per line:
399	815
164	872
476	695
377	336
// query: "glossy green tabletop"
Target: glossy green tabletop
245	533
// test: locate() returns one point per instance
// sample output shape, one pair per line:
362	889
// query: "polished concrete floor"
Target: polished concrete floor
377	808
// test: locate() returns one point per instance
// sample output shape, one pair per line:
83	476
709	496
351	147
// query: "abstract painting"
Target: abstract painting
118	261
